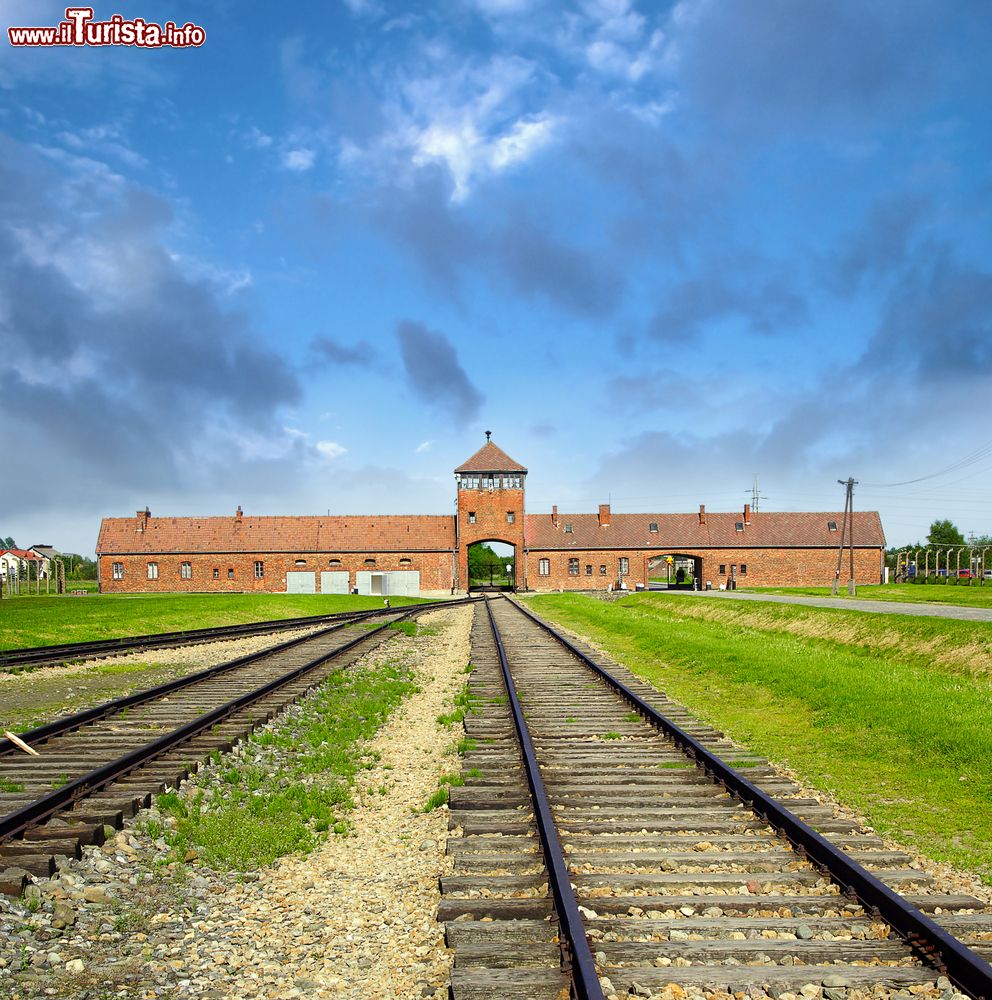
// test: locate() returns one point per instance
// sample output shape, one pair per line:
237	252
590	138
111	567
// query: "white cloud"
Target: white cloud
299	160
330	449
422	447
255	138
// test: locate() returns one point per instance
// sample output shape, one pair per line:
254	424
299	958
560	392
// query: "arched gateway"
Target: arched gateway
490	507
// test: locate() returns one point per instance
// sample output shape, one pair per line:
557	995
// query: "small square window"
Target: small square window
118	571
186	570
230	572
568	528
739	525
723	568
510	517
153	571
743	569
602	569
831	525
588	569
653	527
471	517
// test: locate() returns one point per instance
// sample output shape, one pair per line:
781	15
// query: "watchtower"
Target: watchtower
490	506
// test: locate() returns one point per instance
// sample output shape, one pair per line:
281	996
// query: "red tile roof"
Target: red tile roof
361	533
22	554
683	531
489	458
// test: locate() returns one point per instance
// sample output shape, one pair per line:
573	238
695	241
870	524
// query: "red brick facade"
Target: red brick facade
553	552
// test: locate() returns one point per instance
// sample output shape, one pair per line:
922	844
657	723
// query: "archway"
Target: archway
492	565
675	571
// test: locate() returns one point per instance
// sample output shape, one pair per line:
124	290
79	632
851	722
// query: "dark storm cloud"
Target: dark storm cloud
327	351
451	243
112	348
767	304
434	372
776	64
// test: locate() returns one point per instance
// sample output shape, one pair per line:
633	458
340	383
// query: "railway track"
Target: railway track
100	766
13	660
663	864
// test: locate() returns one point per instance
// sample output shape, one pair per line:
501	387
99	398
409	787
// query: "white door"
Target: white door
334	582
301	583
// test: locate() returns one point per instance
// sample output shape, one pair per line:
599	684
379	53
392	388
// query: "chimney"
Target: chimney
143	516
554	515
238	514
747	513
604	515
702	514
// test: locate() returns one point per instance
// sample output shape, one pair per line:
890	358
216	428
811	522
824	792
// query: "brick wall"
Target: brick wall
435	570
764	567
490	509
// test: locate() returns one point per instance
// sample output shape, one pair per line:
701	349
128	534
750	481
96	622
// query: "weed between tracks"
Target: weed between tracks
894	732
290	784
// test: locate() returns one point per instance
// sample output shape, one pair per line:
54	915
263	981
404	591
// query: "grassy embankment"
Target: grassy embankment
974	596
39	623
891	715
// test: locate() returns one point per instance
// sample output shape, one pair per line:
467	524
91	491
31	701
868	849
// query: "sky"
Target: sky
657	248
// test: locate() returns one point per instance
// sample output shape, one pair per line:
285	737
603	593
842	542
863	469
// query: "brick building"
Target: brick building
428	554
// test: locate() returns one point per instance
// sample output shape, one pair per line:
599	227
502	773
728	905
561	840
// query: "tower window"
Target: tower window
510	517
471	517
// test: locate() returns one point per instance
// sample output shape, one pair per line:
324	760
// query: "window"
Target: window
216	573
186	570
333	562
573	567
300	562
544	567
230	572
624	566
831	525
653	527
739	525
743	569
153	571
510	517
118	571
488	482
405	562
723	568
602	569
568	528
471	517
259	569
369	562
588	569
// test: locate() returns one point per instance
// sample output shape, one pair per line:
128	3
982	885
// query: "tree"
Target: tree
8	543
485	565
945	533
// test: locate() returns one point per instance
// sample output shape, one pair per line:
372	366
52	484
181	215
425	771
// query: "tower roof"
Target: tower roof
489	458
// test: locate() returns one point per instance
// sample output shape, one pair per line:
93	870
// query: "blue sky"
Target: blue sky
656	248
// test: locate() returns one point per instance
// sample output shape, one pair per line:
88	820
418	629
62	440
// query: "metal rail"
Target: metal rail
68	723
577	957
968	971
44	808
97	647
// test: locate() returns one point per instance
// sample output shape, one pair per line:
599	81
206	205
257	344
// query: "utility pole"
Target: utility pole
847	532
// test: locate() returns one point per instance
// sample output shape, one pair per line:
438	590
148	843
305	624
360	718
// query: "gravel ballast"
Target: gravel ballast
355	918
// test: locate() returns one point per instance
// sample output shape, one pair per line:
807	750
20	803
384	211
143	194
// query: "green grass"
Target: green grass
974	596
437	799
259	812
6	785
887	728
101	616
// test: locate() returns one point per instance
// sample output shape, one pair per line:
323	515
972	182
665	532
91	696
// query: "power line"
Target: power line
975	456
